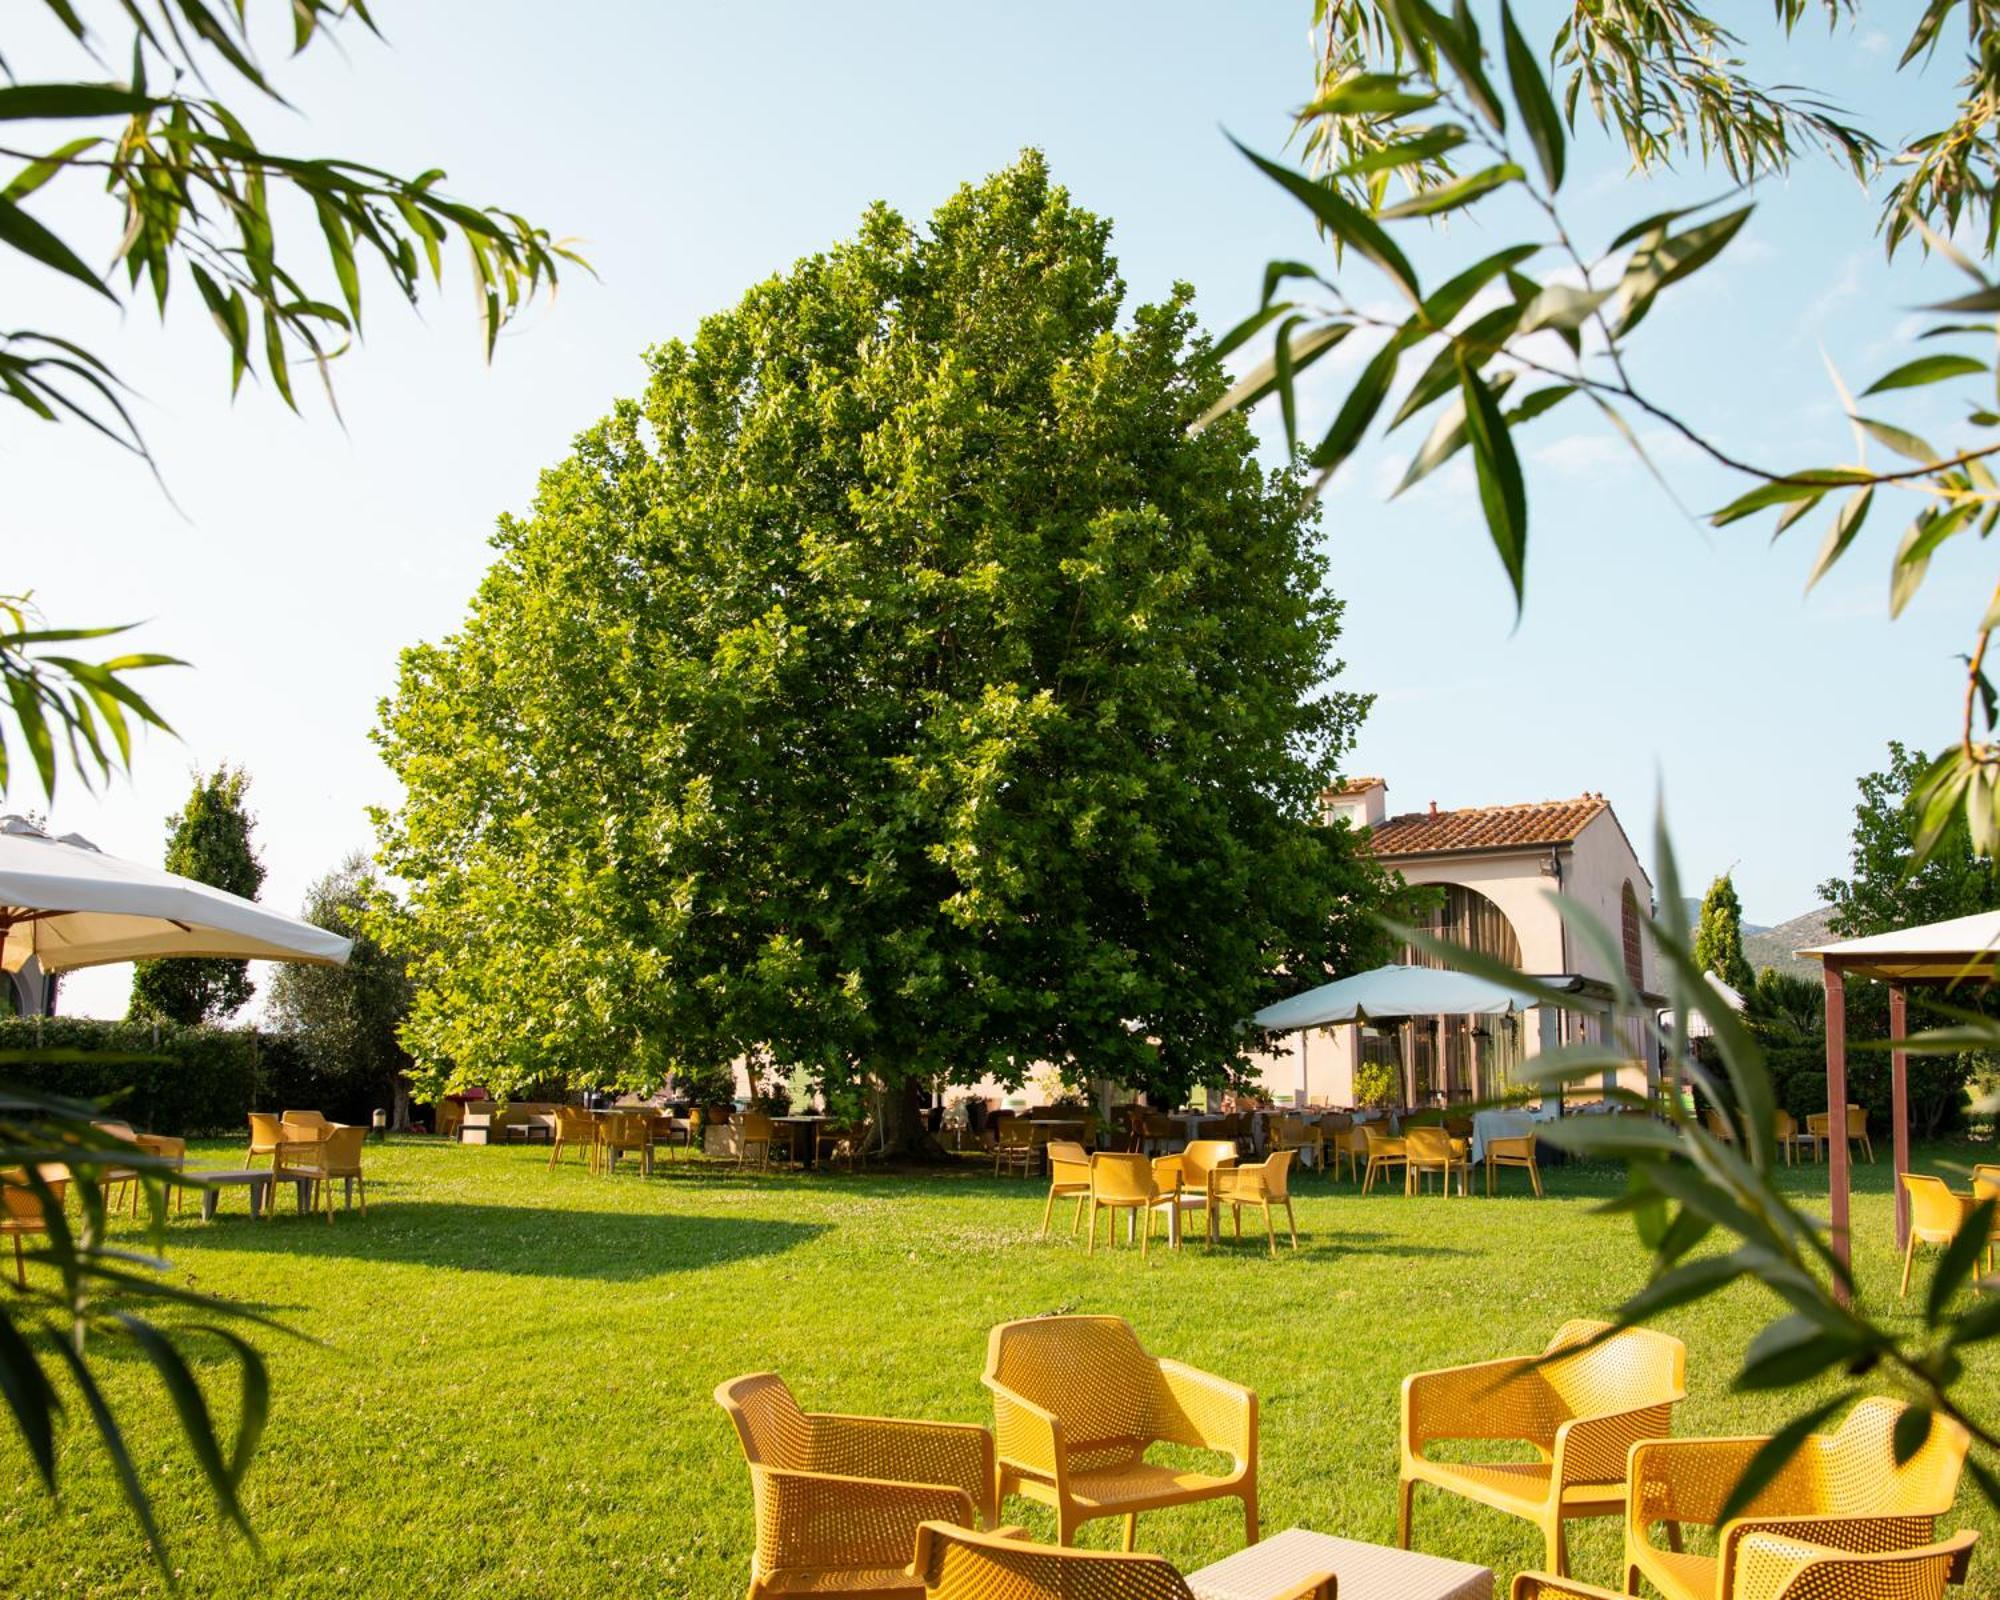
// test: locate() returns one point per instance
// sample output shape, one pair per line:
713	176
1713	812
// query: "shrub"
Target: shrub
168	1079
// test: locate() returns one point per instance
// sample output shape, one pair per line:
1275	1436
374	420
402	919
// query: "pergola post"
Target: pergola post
1836	1111
1899	1107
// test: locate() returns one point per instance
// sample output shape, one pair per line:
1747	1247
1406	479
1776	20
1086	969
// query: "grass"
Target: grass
511	1390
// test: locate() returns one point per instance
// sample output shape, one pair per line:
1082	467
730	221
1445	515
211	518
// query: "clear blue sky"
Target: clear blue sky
696	148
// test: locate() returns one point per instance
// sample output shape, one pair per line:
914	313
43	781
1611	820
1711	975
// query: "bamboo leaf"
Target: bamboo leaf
1925	369
1502	495
1531	95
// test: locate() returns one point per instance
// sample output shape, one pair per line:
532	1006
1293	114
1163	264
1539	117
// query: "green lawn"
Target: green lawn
511	1393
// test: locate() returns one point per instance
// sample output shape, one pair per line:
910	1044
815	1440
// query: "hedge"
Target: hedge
169	1078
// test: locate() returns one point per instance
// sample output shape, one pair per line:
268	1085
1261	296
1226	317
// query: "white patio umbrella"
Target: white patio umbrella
1392	992
65	904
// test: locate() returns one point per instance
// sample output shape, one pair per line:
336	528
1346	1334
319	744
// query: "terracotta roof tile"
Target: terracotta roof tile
1540	822
1354	786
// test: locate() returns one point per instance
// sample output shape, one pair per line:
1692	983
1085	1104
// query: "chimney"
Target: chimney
1434	808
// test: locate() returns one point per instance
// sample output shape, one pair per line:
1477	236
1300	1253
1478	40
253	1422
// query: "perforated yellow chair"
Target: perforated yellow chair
628	1133
1843	1490
1819	1124
1582	1412
754	1131
1348	1143
1385	1150
1077	1403
1264	1184
264	1136
1295	1133
1986	1186
1069	1178
1517	1151
1433	1149
957	1565
1769	1566
1190	1179
320	1155
1014	1146
1936	1212
576	1129
22	1211
839	1499
1123	1182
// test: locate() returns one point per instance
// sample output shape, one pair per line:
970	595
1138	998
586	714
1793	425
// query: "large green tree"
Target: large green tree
1887	886
897	689
1718	939
208	840
349	1018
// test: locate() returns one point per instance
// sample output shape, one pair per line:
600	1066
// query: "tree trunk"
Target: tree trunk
905	1137
399	1115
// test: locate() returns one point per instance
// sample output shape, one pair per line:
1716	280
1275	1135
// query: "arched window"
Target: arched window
1458	1058
1469	920
1635	965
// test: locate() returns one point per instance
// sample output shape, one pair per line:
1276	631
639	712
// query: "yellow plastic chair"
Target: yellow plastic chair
264	1136
1769	1566
1785	1130
1014	1147
1517	1151
1582	1412
1843	1490
1719	1125
1192	1177
849	1144
626	1133
576	1129
1433	1149
1936	1213
754	1131
306	1119
1264	1185
320	1157
1077	1403
1120	1181
1069	1178
1350	1144
957	1565
163	1147
22	1211
1157	1133
839	1499
1297	1134
1819	1124
1385	1150
1986	1186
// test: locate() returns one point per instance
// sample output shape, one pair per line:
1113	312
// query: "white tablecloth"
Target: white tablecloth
1504	1125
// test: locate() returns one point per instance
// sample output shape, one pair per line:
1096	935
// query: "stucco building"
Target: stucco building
1499	869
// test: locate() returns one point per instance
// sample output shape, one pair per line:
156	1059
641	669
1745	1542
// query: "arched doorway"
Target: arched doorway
1450	1059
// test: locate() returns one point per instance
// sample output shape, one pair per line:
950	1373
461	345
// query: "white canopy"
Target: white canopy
1958	947
67	904
1392	992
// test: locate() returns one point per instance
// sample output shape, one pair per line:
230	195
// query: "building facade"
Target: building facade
1498	871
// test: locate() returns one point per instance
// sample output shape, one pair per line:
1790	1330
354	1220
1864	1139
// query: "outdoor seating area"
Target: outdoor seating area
1080	1409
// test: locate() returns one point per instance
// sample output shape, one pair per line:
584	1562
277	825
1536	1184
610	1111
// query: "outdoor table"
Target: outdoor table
1363	1571
810	1126
1501	1125
1192	1121
258	1182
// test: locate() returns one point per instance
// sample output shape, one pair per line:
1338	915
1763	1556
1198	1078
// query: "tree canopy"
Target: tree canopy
348	1017
208	840
897	687
1887	886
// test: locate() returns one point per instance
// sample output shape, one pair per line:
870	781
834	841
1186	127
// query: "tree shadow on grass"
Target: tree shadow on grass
525	1241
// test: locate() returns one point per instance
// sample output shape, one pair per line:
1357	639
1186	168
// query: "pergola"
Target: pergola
1937	955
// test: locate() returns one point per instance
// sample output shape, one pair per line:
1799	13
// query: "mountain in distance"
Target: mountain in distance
1772	947
1693	904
